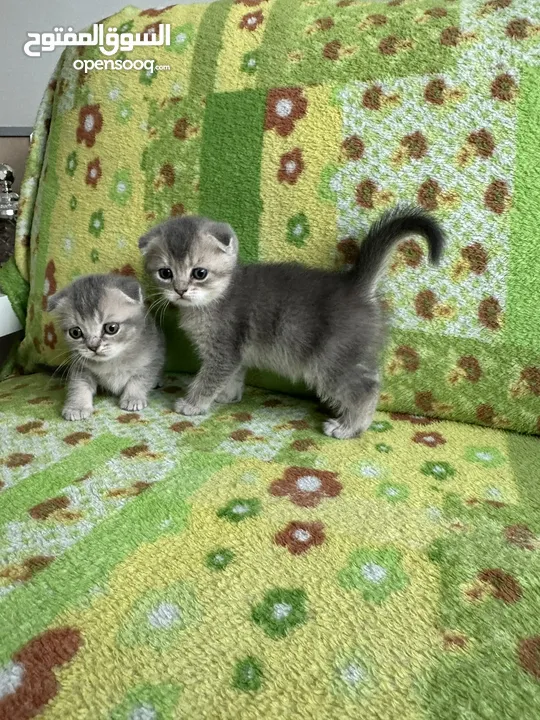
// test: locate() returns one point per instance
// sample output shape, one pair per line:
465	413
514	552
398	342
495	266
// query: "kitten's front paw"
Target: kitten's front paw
334	428
133	403
183	407
70	412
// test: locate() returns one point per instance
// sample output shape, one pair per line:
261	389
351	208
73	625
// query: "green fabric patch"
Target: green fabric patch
231	164
523	321
308	44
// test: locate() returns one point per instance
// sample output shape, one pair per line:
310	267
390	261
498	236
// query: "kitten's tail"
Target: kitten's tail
385	233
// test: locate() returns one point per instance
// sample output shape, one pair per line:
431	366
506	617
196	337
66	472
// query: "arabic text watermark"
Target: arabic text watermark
108	43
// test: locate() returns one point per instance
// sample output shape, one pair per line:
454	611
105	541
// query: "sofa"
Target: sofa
243	564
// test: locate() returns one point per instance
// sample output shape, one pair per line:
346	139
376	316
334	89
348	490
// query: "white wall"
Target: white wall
22	78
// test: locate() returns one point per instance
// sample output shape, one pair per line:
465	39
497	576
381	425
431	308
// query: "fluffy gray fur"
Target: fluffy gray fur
119	348
325	328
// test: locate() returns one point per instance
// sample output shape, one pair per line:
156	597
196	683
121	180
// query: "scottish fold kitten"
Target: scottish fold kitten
323	327
114	342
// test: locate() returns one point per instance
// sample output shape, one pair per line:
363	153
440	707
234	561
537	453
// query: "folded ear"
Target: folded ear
54	302
146	240
225	237
131	289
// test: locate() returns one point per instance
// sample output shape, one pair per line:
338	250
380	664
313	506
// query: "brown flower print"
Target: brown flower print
90	124
483	141
365	192
490	313
431	196
353	147
306	487
35	684
519	29
167	174
331	51
476	258
284	106
125	270
425	303
504	88
151	30
434	91
429	439
410	253
93	172
299	537
375	20
454	641
178	209
34	427
405	358
16	460
392	45
415	145
26	570
424	400
436	13
43	510
77	438
304	445
348	251
453	36
493	6
325	23
501	585
529	379
437	92
182	426
291	166
521	536
138	451
182	130
375	99
529	655
485	414
470	367
252	21
49	285
497	197
49	336
154	12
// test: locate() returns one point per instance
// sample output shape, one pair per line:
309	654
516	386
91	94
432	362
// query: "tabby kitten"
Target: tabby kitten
114	342
325	328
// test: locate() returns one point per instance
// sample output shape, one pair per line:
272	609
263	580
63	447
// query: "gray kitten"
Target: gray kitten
114	342
325	328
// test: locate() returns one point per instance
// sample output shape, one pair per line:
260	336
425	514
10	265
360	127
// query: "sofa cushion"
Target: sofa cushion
299	123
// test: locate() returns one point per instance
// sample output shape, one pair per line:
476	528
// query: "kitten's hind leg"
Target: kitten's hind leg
356	397
233	391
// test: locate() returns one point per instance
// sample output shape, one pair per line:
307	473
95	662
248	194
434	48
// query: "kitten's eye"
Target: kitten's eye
75	332
111	328
199	273
165	273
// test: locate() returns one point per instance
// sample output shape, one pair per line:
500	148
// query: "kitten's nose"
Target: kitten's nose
182	292
93	346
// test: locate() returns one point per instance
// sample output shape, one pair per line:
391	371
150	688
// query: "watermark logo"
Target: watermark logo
109	43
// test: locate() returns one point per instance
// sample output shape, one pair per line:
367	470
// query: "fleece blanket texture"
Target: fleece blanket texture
299	122
245	566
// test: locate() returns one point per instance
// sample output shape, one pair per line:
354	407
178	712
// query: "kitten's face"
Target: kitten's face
191	260
99	326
